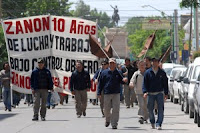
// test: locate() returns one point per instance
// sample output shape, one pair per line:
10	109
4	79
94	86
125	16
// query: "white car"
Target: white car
194	76
169	66
176	87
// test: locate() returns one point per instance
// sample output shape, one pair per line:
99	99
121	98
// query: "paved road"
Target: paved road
63	119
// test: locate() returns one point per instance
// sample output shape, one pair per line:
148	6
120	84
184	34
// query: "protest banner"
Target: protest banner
60	41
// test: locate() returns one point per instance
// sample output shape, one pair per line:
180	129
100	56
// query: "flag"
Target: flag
97	50
163	58
148	45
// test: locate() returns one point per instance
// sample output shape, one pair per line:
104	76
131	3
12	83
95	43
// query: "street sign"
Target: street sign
156	24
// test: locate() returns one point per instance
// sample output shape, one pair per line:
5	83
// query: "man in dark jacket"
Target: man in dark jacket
129	93
41	82
155	87
110	81
79	84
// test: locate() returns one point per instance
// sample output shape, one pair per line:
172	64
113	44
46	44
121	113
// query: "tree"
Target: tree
3	51
189	4
44	7
137	38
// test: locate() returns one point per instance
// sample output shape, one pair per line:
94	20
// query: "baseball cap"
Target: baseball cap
40	60
112	60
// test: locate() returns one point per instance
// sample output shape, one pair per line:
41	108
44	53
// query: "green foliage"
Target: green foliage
196	54
137	38
44	7
3	51
83	11
189	3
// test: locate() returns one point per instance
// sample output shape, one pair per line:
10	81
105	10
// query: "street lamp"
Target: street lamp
162	13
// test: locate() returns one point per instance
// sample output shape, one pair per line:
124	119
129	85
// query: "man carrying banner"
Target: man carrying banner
79	85
5	82
109	81
96	78
155	88
41	82
128	92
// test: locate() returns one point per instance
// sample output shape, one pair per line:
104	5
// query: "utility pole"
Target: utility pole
196	27
176	38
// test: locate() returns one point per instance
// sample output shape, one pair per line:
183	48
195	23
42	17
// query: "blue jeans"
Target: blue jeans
159	98
6	98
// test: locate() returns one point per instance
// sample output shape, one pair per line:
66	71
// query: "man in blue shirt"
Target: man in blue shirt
109	81
155	87
79	84
41	82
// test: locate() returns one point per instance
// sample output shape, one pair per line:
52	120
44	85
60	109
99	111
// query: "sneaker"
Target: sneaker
84	113
35	119
153	126
107	124
158	127
78	116
114	127
43	118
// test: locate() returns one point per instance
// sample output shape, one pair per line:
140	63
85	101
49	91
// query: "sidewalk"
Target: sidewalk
63	119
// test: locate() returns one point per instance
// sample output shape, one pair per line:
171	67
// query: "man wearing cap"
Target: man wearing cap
41	82
109	81
155	89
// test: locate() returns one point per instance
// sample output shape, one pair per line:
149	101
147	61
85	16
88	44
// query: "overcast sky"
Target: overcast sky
131	8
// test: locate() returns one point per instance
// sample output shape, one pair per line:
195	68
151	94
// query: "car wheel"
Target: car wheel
198	119
186	106
195	116
191	114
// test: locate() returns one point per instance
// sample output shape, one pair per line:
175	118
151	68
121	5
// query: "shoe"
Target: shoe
158	127
84	113
132	105
53	107
43	119
146	121
114	127
141	120
127	107
78	116
35	119
153	126
6	108
48	107
9	110
107	124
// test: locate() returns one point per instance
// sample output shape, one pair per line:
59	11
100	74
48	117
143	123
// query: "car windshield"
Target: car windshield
196	72
177	74
168	71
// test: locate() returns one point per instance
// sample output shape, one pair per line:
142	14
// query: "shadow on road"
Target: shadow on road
132	128
5	116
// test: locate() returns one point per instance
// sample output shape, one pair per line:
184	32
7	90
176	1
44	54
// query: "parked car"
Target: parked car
197	102
184	92
176	87
169	66
194	76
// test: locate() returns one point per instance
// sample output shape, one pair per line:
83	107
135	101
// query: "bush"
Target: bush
196	54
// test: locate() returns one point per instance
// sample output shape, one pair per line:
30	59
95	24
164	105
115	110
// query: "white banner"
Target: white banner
60	41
